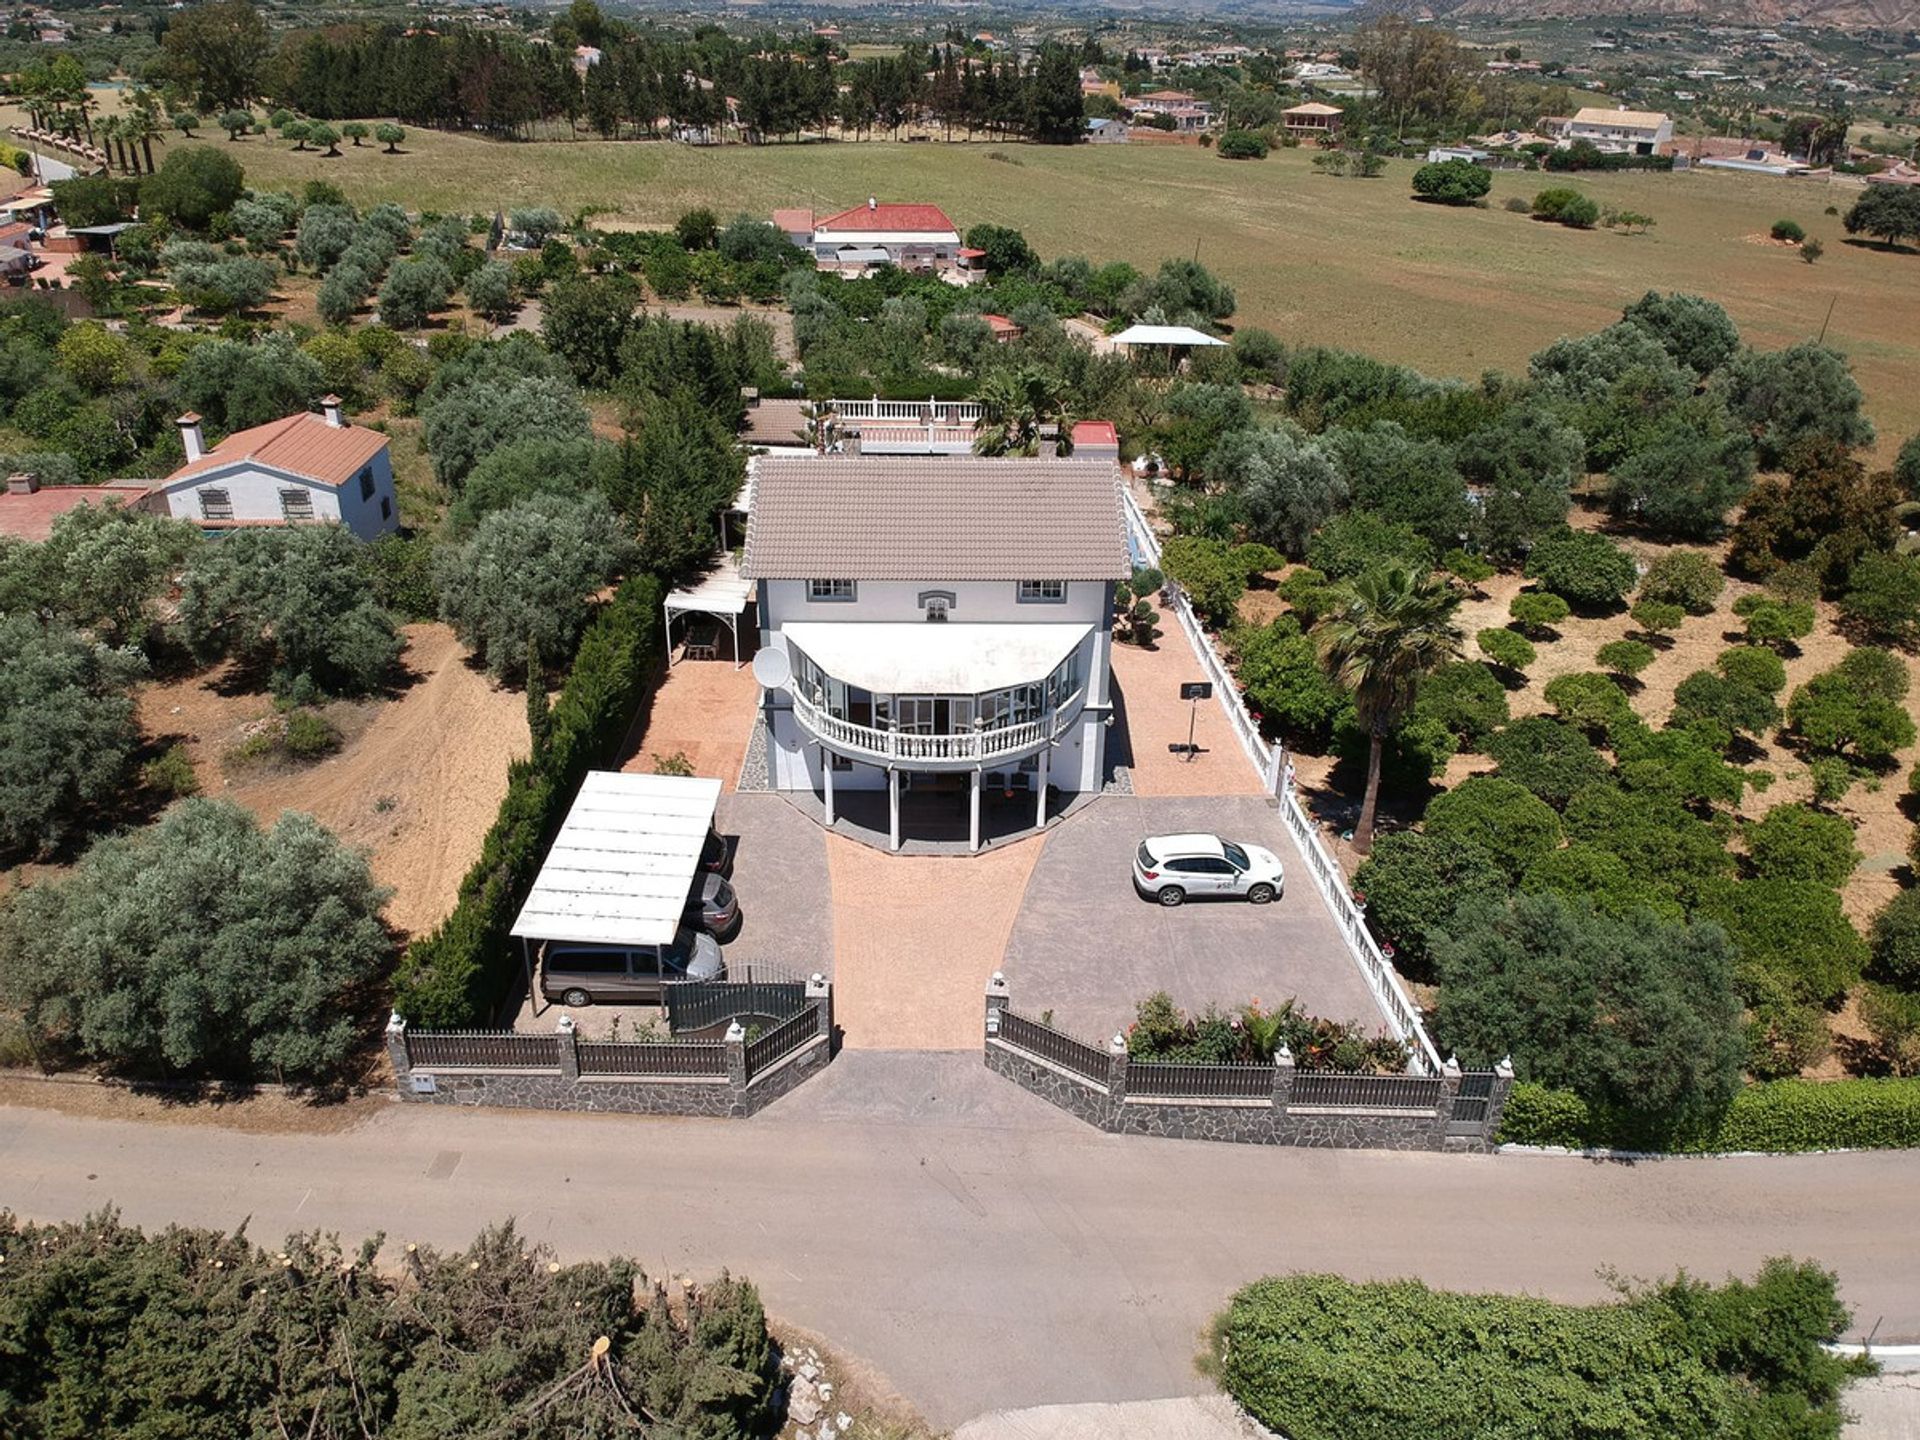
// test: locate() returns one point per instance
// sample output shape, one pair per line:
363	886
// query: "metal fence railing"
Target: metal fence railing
1367	1092
488	1050
1087	1061
760	992
781	1041
1172	1080
1472	1104
671	1059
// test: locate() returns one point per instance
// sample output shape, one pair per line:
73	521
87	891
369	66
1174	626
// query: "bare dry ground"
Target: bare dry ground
417	781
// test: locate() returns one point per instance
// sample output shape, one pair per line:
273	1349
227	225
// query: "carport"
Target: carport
621	869
722	593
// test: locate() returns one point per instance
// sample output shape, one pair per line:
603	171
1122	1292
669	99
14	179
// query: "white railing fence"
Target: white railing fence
1389	990
999	742
945	412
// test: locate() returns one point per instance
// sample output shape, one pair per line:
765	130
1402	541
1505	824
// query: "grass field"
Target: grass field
1345	262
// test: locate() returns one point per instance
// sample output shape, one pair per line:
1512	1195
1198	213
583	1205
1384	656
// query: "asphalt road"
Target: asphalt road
981	1249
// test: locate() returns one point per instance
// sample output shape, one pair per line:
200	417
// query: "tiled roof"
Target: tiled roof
1001	325
1625	119
1095	432
1313	107
908	518
793	222
304	445
887	217
31	517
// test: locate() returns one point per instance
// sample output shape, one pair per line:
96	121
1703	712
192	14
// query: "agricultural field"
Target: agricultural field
1348	262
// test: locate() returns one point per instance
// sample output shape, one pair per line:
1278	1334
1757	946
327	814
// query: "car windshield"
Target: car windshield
1236	857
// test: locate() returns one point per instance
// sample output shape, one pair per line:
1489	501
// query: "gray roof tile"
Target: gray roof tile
913	518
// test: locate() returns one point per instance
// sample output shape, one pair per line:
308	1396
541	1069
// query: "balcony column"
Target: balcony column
973	813
826	776
1040	789
893	809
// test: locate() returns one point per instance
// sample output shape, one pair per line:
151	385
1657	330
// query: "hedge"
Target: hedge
460	975
1780	1116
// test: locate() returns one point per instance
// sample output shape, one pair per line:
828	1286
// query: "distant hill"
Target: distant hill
1840	14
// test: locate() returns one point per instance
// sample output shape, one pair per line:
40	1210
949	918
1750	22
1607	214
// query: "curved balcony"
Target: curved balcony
906	749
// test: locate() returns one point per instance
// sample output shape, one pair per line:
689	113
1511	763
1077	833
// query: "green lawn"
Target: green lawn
1346	262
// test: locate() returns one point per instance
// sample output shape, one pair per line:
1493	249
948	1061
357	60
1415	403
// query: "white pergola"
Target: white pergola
1170	336
722	593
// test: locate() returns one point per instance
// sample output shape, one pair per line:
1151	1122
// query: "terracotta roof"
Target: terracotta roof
1001	325
304	445
31	517
909	518
888	217
1313	107
793	222
1626	119
1095	432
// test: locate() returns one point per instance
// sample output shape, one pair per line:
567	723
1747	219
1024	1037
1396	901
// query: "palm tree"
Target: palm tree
1012	407
1392	629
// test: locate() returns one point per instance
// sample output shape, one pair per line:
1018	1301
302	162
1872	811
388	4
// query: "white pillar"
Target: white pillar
893	808
973	822
1040	788
826	775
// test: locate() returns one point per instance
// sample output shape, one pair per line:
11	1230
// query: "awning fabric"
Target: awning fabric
1164	335
927	659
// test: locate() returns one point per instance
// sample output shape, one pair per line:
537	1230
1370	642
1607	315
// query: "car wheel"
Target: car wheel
1260	894
575	998
1171	895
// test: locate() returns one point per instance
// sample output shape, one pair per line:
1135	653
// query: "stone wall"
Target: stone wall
1273	1121
734	1095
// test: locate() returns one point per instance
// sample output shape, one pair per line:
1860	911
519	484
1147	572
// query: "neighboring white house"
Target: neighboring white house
301	469
945	626
910	237
1620	132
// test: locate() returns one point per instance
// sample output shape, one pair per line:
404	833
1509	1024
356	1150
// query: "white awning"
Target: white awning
931	659
1164	335
721	591
621	869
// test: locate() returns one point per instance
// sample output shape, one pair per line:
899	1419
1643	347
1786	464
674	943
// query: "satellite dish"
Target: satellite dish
772	668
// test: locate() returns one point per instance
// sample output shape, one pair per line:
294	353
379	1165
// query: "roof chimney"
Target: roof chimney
872	203
330	407
21	483
191	437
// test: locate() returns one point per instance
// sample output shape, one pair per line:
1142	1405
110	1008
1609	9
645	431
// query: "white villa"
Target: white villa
909	237
1620	132
942	630
302	469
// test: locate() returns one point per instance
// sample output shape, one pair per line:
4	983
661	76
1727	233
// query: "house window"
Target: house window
215	505
296	503
937	610
936	603
1042	592
841	762
829	589
386	508
366	483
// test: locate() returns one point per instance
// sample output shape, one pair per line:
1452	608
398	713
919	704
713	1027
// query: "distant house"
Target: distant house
1188	112
1441	153
908	237
796	225
1620	132
1313	120
1107	132
1005	332
303	469
585	57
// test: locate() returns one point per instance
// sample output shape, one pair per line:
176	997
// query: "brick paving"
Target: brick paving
1153	716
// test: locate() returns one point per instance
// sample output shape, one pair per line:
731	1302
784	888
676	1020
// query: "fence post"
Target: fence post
1497	1097
998	999
1449	1093
1117	1067
397	1053
820	996
736	1043
566	1045
1283	1073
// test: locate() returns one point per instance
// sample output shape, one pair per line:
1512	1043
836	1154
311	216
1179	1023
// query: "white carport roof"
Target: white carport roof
622	867
1164	335
922	659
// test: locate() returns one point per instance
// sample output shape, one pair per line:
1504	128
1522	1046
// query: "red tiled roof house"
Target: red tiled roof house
305	468
911	237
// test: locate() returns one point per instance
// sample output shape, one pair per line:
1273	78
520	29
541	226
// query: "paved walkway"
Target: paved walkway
704	710
1154	715
982	1265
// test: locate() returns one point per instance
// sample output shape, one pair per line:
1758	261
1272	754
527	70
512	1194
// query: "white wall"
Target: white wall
254	492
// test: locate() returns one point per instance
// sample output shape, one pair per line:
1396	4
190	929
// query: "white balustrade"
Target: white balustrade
969	746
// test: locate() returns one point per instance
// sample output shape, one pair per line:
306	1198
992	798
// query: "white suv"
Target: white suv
1169	868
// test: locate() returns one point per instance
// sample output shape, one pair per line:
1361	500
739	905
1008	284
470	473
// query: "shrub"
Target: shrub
1892	1017
1582	568
1547	758
1416	881
1536	612
1784	1117
1774	622
1206	571
1685	578
1358	541
1838	712
1465	699
1279	669
1625	657
1785	1038
1738	706
264	973
1794	933
1566	207
1514	205
1789	230
1242	145
1589	702
1467	566
1882	598
192	186
1160	1031
1505	648
1896	941
1452	182
1595	876
1793	842
171	774
308	735
1497	817
1655	618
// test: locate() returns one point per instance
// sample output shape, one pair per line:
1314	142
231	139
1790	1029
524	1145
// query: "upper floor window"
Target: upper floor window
829	589
1042	591
296	503
366	483
215	504
937	608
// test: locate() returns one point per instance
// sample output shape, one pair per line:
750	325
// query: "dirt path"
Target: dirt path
417	781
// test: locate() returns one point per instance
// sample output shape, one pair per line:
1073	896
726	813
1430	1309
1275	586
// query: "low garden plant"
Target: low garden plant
1252	1035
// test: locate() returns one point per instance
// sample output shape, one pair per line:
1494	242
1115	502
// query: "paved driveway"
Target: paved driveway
1086	946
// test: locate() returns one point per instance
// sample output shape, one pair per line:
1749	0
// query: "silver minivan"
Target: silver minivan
627	975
